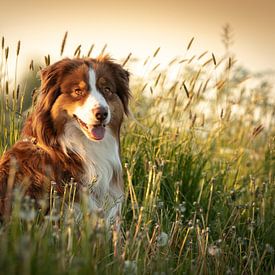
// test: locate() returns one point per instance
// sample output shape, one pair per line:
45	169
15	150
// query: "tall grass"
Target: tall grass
199	179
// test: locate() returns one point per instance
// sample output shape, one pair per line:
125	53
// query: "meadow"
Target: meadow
198	151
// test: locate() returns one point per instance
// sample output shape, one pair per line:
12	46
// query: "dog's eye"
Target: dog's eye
78	91
108	90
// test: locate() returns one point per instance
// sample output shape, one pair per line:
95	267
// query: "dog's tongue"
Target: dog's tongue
98	132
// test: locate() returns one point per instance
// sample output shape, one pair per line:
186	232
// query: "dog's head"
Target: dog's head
92	93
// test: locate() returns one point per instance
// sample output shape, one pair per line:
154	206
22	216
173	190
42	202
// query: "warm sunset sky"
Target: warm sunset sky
141	26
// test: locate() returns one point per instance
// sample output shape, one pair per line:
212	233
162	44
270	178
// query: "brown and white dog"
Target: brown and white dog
73	132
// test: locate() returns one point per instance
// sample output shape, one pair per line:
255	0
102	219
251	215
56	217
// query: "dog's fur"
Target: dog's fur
73	132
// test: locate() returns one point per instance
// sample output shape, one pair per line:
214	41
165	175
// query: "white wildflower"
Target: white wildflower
27	214
182	207
269	248
214	250
162	239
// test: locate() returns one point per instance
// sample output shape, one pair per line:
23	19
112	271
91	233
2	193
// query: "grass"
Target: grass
199	178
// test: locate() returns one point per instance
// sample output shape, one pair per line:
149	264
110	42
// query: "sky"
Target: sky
141	26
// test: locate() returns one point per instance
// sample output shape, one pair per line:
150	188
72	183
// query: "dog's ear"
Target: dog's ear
122	83
49	87
42	124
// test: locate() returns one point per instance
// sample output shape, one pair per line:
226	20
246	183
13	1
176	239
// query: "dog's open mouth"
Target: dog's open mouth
95	131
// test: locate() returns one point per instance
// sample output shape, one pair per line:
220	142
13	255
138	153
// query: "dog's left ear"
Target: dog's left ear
122	83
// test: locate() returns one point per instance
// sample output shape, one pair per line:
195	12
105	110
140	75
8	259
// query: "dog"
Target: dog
73	132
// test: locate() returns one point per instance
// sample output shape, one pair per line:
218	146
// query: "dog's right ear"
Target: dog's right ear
46	75
49	87
42	125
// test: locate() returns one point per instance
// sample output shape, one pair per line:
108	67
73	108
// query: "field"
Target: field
198	153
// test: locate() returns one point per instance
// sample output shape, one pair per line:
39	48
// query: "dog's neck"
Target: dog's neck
101	160
102	168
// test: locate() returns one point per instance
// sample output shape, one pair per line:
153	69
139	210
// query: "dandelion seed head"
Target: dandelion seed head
182	207
162	239
27	214
160	204
214	250
269	248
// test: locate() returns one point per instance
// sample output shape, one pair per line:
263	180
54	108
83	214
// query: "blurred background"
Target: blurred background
141	26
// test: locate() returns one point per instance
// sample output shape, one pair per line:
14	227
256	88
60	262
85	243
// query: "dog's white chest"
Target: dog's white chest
100	158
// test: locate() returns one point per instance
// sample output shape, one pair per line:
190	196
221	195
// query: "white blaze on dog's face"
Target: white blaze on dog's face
92	93
95	113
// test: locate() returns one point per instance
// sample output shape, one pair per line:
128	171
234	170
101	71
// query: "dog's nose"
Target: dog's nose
100	113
